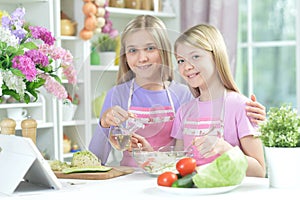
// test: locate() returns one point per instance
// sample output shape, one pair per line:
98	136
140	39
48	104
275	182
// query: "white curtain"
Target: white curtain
223	14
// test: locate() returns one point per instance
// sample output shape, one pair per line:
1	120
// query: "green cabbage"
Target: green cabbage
227	170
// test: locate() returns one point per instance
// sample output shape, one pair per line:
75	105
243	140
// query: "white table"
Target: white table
141	186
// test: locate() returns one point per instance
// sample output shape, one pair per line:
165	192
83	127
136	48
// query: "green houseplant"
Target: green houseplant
104	43
282	129
106	46
280	135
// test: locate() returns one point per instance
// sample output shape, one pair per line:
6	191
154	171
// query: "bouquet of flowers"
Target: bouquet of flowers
29	60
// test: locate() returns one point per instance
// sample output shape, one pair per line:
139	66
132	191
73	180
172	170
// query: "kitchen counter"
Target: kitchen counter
141	186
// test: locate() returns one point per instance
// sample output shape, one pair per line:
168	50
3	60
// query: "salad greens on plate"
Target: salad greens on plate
229	169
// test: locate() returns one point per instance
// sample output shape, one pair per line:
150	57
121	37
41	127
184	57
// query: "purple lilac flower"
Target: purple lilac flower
15	23
18	14
20	33
37	57
26	66
5	22
42	33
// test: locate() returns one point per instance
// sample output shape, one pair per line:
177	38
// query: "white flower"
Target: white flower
14	82
8	38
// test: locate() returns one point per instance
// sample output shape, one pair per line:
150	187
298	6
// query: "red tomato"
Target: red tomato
166	179
186	166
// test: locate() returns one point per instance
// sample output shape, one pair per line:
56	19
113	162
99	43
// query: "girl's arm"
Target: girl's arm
253	149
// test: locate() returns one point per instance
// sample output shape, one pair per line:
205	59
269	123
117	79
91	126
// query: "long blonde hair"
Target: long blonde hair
159	33
209	38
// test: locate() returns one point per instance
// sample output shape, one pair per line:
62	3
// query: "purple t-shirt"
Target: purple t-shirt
119	95
236	123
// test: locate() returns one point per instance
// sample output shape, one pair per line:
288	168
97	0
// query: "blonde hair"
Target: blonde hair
158	31
209	38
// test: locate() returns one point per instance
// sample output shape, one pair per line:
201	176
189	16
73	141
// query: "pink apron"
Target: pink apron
197	126
158	125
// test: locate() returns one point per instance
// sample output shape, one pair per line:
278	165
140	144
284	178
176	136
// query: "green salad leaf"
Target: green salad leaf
227	170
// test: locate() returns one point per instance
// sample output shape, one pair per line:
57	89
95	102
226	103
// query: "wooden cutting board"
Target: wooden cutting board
114	172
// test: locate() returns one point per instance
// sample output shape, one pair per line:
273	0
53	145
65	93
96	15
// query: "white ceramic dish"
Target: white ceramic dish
197	191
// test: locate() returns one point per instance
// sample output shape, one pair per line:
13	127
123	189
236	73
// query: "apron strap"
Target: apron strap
131	94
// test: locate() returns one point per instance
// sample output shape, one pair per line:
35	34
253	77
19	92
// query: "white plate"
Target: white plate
197	191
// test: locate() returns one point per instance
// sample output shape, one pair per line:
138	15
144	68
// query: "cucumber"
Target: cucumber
184	182
86	169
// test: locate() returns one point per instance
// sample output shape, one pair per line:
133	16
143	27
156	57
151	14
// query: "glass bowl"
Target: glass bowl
158	161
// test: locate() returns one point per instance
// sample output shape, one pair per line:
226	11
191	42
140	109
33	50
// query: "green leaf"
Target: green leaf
26	98
17	72
11	93
35	84
29	45
56	78
105	43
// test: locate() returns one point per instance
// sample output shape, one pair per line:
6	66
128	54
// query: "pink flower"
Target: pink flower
26	66
38	57
70	74
52	86
43	34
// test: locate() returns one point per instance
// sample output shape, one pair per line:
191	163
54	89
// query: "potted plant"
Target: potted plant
70	105
106	46
280	134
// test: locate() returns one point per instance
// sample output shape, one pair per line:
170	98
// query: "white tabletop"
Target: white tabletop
141	186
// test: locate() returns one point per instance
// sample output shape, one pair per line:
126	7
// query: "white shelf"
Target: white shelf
73	123
40	125
71	38
22	1
103	68
128	13
20	105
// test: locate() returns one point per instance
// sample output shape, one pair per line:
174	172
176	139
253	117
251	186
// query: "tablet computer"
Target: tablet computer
21	161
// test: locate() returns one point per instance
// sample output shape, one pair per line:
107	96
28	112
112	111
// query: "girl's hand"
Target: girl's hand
211	144
114	116
138	141
255	111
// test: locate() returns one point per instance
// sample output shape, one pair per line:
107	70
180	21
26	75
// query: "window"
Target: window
267	62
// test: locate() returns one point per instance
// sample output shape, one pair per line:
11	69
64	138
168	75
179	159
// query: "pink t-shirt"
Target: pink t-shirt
197	115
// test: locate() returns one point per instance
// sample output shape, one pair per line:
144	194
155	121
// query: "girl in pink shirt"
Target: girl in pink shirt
216	120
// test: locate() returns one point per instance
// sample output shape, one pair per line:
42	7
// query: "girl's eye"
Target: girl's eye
195	57
180	61
132	50
151	48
